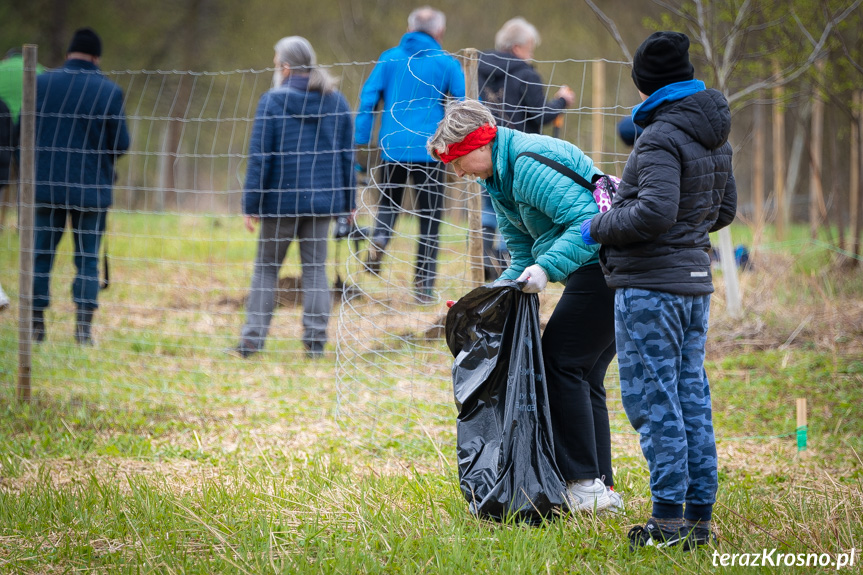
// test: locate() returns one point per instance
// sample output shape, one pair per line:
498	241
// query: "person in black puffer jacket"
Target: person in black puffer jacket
676	188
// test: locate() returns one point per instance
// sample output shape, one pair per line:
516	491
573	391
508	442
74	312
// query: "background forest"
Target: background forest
779	64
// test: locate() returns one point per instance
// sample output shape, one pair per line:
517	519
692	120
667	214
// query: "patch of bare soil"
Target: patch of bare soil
785	309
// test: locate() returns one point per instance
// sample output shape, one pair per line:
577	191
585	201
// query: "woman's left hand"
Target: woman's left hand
535	277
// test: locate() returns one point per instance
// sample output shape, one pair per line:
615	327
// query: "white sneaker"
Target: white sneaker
4	299
616	501
593	497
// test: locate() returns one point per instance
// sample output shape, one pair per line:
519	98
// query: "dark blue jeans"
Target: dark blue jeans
428	181
88	226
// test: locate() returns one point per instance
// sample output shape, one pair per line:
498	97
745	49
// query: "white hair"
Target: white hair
427	19
515	32
461	118
297	52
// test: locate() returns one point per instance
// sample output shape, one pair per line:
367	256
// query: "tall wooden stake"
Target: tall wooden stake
474	192
758	170
854	190
817	207
598	104
779	158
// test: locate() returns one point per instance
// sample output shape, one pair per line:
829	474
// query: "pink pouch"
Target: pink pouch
604	189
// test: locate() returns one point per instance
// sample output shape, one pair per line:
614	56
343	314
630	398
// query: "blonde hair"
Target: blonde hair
460	119
297	52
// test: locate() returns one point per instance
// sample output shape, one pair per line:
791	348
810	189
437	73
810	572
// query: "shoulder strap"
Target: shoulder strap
557	166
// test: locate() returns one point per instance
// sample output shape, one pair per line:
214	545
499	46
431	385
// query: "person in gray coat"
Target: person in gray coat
677	187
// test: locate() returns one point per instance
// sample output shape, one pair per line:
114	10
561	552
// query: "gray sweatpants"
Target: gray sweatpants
275	238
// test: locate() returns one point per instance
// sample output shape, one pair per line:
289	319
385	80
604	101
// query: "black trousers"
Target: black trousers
427	180
577	346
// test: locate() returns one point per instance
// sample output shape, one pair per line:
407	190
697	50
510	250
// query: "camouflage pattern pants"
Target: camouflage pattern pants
664	389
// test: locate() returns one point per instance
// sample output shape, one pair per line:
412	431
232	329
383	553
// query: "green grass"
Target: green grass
155	452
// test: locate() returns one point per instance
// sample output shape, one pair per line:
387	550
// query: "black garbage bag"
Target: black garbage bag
505	448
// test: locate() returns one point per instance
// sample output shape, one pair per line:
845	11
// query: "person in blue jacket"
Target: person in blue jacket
80	133
300	176
412	80
540	210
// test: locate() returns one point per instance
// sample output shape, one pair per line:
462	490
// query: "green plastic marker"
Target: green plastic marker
801	424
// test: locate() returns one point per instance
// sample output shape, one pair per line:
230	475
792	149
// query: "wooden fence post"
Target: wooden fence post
26	215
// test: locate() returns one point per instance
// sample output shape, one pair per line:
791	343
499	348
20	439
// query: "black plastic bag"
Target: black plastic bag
505	449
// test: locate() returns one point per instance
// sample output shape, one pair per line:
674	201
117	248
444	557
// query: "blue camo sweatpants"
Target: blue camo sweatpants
665	393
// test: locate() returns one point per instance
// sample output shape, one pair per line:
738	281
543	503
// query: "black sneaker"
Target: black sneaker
38	326
242	351
651	535
314	349
424	296
696	536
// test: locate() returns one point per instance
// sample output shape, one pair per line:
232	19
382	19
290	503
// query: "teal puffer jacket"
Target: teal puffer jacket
539	210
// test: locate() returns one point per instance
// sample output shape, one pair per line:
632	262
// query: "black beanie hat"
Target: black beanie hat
86	41
661	60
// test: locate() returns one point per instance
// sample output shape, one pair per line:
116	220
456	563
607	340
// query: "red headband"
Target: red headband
476	139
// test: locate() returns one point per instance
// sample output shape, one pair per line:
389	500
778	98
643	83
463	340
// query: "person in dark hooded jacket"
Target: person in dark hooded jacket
677	187
514	91
300	176
511	87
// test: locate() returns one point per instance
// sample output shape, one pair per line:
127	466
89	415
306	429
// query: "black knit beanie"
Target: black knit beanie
661	60
86	41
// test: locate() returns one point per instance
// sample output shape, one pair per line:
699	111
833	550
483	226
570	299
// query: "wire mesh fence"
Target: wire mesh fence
179	263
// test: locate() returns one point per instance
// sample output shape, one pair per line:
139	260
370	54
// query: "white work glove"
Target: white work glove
535	277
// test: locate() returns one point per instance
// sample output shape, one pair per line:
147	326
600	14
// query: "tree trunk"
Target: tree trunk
795	158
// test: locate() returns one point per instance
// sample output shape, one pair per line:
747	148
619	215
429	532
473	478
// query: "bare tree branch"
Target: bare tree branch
674	10
803	28
611	27
728	59
814	55
848	55
706	45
